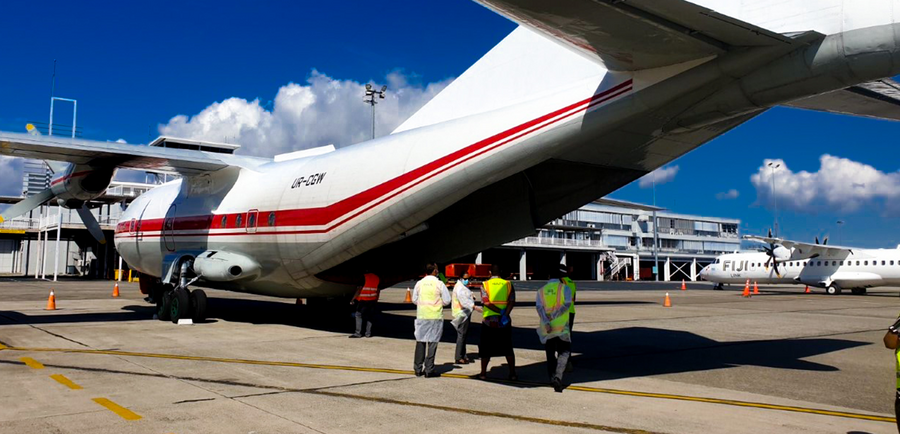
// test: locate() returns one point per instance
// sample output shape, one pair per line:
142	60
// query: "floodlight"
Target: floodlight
368	87
383	88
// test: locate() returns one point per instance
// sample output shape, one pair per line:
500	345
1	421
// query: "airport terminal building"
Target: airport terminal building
613	239
603	240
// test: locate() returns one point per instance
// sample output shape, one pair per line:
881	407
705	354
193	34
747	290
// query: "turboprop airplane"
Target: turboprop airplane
820	265
614	90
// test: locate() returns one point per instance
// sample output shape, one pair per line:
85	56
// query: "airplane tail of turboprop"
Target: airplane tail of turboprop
564	44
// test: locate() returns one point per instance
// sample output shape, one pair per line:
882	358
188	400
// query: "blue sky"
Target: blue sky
133	67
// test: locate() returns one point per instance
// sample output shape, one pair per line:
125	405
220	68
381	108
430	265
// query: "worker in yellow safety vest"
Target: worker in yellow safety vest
430	296
891	342
498	300
566	272
366	300
462	305
552	303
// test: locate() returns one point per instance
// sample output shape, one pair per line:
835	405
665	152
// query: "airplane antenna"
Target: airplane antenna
371	98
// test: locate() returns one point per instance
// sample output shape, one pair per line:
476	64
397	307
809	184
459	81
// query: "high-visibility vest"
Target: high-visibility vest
571	284
897	367
430	305
497	291
369	291
455	307
552	296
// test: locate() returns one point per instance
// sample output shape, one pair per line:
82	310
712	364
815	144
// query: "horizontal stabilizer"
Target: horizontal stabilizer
637	34
879	99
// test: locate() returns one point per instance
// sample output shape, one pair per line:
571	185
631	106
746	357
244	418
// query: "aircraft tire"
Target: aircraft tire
179	305
198	305
718	287
163	303
859	291
833	290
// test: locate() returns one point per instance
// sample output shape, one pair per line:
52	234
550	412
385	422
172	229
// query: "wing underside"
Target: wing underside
637	34
106	154
879	99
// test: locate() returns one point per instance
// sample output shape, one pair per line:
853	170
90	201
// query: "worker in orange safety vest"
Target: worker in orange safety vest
366	300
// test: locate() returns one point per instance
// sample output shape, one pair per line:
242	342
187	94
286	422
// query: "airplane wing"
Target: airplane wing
879	99
806	250
106	154
637	34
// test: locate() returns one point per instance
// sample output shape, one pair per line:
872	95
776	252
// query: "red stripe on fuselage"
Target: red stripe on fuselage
375	195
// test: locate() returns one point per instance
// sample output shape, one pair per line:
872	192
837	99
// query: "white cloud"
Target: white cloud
321	112
730	194
121	141
840	184
661	175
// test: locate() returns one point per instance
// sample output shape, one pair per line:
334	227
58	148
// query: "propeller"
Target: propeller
773	256
90	222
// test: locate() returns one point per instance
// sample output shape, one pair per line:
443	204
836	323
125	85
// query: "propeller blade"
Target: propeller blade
91	223
817	240
27	204
825	241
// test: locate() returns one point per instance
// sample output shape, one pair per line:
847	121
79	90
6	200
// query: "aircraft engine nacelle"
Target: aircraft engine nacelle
219	266
781	253
81	183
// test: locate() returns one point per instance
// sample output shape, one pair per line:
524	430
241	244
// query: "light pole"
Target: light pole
655	237
371	98
774	202
840	224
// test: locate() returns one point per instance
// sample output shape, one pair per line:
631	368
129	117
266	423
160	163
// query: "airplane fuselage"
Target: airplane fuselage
863	268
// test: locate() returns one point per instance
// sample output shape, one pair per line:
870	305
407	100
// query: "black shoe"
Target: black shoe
354	336
557	385
368	336
432	375
419	374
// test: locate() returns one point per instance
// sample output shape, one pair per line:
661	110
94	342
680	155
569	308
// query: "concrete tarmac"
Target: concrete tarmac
781	361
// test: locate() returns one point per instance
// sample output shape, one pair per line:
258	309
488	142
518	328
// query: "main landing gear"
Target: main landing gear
175	303
178	302
834	290
718	287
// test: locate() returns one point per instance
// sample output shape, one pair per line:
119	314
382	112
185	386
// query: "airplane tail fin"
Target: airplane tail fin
523	66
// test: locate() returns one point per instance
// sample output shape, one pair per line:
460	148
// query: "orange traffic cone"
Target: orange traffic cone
408	296
807	289
668	301
746	292
755	289
116	290
51	301
683	286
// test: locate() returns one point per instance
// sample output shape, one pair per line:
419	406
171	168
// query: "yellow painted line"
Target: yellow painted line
31	363
65	381
3	347
123	412
731	402
538	420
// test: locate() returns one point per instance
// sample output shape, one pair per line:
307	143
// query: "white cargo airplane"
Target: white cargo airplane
581	99
820	265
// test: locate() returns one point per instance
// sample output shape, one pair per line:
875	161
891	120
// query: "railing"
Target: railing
26	223
527	241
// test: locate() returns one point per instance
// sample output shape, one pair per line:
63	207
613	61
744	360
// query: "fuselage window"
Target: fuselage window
251	220
272	218
857	263
238	221
224	221
865	262
842	263
818	263
882	263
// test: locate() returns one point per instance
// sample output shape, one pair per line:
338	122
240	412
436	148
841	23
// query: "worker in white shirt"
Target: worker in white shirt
430	296
462	305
